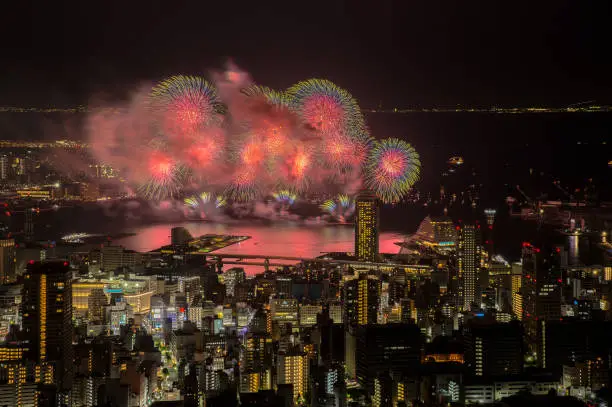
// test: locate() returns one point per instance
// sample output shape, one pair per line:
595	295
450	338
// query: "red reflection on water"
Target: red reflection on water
278	240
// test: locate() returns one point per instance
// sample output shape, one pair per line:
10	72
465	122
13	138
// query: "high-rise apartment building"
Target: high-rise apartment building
190	286
4	167
293	369
468	265
517	296
493	349
284	310
541	292
232	277
257	351
444	230
47	319
361	299
7	260
366	227
384	348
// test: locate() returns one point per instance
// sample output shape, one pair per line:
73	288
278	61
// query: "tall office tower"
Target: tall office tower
366	227
7	260
284	310
570	341
47	320
23	165
257	351
96	302
331	346
293	368
383	389
4	167
15	387
284	285
190	286
541	291
490	216
249	381
361	298
231	278
468	265
489	247
191	397
517	296
383	348
28	228
493	349
444	230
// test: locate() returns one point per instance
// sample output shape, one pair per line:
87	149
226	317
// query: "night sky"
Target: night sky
398	52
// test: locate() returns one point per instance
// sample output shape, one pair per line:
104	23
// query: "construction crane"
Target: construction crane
557	184
527	198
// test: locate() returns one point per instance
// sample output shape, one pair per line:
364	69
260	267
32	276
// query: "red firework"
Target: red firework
275	140
252	154
323	113
186	115
300	164
392	163
161	166
342	151
202	155
205	149
244	177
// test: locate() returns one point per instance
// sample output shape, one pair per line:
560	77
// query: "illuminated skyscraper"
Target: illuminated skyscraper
493	349
384	348
4	167
47	320
517	297
361	299
293	369
490	215
231	278
488	236
7	260
468	264
366	227
443	230
257	351
29	225
541	294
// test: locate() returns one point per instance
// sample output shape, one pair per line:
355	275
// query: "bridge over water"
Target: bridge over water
265	261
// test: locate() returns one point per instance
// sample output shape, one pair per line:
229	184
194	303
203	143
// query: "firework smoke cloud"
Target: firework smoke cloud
228	139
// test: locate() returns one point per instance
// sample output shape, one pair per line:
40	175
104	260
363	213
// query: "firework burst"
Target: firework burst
329	206
183	137
220	201
192	202
344	153
326	107
299	164
186	104
340	207
167	178
197	201
284	197
244	186
200	203
392	167
271	96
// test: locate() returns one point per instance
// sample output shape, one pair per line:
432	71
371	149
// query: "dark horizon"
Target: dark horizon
395	53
